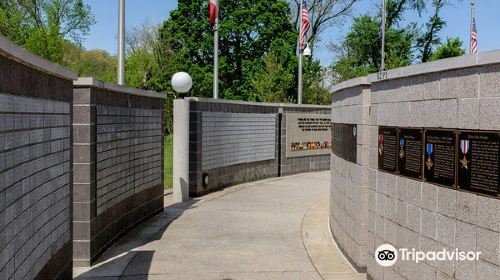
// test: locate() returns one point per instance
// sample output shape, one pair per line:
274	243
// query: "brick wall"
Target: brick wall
35	166
237	142
457	93
118	163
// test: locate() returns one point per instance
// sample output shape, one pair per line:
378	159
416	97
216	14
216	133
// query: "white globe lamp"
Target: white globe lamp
182	82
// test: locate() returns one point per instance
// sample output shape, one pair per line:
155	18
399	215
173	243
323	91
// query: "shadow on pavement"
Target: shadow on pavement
114	262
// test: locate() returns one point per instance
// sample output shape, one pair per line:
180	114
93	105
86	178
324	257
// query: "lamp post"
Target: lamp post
181	83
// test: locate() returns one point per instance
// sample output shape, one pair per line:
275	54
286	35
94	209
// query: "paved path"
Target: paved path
272	229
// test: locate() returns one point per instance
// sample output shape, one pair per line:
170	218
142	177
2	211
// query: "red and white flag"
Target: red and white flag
306	23
214	9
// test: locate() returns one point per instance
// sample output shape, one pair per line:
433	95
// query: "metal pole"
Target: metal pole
121	43
382	62
216	55
299	90
471	25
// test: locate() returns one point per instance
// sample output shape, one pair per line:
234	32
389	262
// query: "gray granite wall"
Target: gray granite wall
35	166
236	138
237	142
118	164
458	93
349	180
222	173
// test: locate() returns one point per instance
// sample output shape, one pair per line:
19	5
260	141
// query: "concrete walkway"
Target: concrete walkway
271	229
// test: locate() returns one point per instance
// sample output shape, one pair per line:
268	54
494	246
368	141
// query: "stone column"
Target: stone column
181	150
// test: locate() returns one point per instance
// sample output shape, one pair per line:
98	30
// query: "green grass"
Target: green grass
168	161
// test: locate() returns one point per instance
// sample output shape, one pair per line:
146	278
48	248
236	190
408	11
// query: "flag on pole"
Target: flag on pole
473	37
213	7
306	23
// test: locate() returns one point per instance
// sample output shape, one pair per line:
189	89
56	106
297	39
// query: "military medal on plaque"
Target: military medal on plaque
464	146
429	149
401	148
381	145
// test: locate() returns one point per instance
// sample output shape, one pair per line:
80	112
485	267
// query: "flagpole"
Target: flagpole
382	61
299	91
216	54
121	43
471	24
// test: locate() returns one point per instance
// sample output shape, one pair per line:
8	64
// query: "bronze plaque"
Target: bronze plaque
410	152
479	161
387	148
439	157
308	135
344	141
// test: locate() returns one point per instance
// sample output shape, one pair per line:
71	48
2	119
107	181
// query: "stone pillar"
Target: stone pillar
181	150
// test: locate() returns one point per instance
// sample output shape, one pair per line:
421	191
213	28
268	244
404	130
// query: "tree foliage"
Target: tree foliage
360	52
323	14
93	63
141	61
271	83
41	26
451	48
429	38
249	30
314	88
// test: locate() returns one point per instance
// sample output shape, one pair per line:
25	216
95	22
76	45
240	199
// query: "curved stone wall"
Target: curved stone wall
118	145
233	142
35	166
370	207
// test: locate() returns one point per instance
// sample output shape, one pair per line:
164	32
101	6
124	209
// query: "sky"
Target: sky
103	35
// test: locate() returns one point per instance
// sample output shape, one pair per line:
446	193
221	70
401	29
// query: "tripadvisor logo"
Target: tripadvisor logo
387	255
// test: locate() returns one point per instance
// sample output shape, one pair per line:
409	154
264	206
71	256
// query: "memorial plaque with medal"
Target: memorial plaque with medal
387	148
410	152
439	157
479	162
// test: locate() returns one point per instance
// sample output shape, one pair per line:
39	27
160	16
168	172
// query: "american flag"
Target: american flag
473	38
306	23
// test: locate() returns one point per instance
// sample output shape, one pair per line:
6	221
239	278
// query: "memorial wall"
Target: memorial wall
432	162
36	171
305	144
118	146
233	142
81	162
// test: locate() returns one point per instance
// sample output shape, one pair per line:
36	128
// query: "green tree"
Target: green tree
451	48
249	29
42	25
141	62
359	53
94	63
272	83
315	91
430	38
